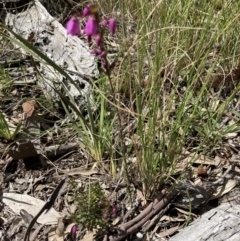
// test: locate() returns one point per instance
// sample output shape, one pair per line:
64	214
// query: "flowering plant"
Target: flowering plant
94	29
93	208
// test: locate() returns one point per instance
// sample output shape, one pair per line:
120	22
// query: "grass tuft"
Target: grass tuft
162	99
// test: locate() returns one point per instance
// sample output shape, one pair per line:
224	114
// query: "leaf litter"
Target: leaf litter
42	171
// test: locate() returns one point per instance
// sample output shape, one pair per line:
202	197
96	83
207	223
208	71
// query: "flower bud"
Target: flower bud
103	54
73	26
104	64
112	25
86	11
105	216
114	211
91	27
98	40
74	229
98	51
93	51
104	22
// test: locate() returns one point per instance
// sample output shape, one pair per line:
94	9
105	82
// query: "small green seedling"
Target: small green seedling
6	131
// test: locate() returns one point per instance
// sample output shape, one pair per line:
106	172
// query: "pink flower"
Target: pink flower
86	11
114	211
93	51
74	229
98	40
98	51
73	26
73	232
104	22
91	27
105	216
103	54
112	25
104	64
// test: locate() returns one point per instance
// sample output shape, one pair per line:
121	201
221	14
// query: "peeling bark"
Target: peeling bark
221	223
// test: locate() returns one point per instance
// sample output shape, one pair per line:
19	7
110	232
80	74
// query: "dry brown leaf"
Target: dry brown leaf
35	233
186	212
223	189
203	160
69	228
141	196
29	108
196	159
89	236
17	202
229	79
116	221
81	171
27	218
231	135
60	227
168	218
14	92
61	232
169	231
15	120
52	236
40	187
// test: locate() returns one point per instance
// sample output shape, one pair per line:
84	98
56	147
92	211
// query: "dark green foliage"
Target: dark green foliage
92	206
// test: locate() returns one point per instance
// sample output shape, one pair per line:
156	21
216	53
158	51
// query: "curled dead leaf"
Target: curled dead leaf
223	189
29	108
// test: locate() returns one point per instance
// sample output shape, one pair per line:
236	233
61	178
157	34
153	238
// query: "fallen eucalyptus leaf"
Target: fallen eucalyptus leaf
52	236
89	236
169	231
231	135
223	189
81	171
27	218
17	202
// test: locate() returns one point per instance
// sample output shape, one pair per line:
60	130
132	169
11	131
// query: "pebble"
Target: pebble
139	235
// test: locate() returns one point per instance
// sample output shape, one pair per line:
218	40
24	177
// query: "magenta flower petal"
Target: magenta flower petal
98	40
103	54
74	229
114	211
98	51
112	25
73	26
94	52
104	22
73	232
104	64
91	27
86	11
105	216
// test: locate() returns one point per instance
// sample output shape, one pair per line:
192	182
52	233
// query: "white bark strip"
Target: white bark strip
221	223
69	52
